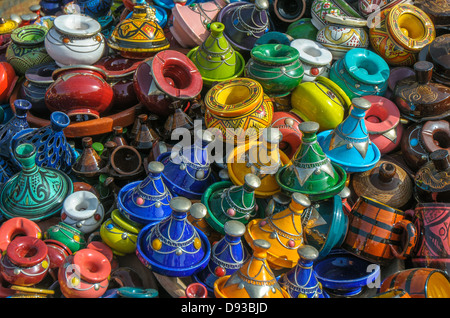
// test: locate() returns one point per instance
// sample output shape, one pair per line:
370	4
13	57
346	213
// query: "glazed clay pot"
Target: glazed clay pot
383	124
321	101
291	11
276	67
238	104
78	91
172	77
437	53
316	58
398	34
26	261
84	274
75	40
8	79
17	226
287	123
27	48
191	23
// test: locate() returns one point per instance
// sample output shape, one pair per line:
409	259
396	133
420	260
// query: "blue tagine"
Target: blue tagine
148	200
227	255
348	145
174	247
301	281
52	148
361	72
187	171
17	123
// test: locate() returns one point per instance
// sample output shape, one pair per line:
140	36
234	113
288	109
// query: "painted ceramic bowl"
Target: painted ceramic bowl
399	33
238	106
169	76
321	101
79	90
315	57
75	40
344	274
361	72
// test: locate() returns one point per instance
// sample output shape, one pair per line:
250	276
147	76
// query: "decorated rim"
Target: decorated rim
29	35
69	68
312	52
410	14
337	89
94	267
76	25
209	81
8	26
234	97
382	116
176	75
366	66
27	251
122	152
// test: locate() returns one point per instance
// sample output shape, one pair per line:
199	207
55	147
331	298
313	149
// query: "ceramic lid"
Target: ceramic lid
234	97
395	16
7	26
366	66
312	52
345	20
76	25
80	205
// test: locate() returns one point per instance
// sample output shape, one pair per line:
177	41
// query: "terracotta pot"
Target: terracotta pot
173	76
84	274
17	226
78	91
8	80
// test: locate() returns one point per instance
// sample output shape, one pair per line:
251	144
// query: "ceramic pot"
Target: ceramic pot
52	148
75	40
432	183
321	101
311	172
94	8
349	145
227	255
229	102
79	91
316	58
418	98
276	67
287	123
432	248
290	11
161	246
57	253
83	210
27	48
391	223
419	282
125	163
436	10
18	226
283	231
147	200
360	73
51	7
255	279
342	34
398	34
84	274
89	164
44	193
119	74
8	80
436	52
173	77
191	23
140	36
368	7
301	281
262	158
387	183
421	139
67	235
33	88
215	58
17	123
120	234
302	29
245	23
25	262
7	26
383	124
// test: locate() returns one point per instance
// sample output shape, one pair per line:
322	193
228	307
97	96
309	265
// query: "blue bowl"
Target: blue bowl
345	274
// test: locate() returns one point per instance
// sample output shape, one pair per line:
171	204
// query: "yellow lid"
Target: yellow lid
7	26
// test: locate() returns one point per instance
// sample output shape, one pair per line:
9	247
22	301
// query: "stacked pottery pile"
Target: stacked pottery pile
251	149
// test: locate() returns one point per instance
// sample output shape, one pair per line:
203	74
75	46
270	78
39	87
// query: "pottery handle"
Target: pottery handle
409	243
